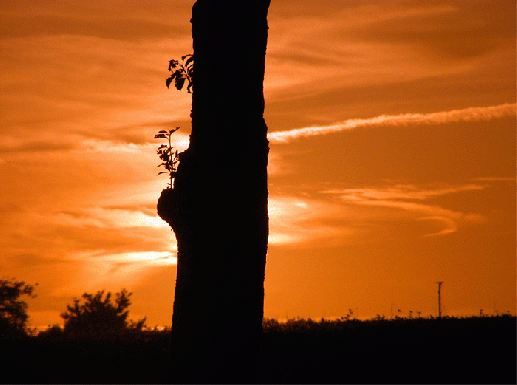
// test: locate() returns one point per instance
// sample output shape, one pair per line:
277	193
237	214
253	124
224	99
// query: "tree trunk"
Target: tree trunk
218	207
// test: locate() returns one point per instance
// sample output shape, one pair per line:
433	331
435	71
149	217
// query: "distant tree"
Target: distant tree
99	317
13	310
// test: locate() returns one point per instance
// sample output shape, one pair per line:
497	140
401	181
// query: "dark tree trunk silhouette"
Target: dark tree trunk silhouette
218	207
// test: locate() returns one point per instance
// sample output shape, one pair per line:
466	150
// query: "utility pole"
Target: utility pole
439	299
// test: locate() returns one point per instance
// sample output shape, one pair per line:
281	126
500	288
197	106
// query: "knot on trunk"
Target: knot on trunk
171	206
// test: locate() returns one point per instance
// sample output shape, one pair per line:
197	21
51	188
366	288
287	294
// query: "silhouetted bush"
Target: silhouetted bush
98	317
13	311
53	333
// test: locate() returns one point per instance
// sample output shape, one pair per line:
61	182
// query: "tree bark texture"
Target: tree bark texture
218	207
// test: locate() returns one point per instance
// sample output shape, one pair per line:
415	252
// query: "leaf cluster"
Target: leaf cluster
181	71
168	157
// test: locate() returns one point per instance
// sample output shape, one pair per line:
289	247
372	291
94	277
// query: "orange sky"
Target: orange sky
392	163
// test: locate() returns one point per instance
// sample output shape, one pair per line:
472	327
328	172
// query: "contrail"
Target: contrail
465	115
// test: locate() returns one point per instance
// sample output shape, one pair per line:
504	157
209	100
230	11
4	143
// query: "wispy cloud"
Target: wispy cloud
116	19
90	89
343	216
296	221
406	192
464	115
509	179
95	246
410	199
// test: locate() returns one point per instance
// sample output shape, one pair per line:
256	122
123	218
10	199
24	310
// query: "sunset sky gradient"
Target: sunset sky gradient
392	165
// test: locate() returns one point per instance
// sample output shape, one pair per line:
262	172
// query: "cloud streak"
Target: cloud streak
297	221
409	198
465	115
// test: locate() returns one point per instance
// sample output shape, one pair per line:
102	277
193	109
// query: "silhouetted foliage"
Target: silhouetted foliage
181	71
400	350
98	317
55	332
13	310
404	350
169	158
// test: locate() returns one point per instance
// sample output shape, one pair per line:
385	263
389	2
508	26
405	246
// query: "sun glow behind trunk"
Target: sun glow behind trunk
146	257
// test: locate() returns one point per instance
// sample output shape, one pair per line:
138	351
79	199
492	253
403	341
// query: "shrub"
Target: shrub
98	317
13	311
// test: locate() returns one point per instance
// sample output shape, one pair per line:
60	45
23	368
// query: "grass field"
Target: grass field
446	350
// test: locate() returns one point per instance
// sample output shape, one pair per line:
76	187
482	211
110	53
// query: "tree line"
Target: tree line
91	316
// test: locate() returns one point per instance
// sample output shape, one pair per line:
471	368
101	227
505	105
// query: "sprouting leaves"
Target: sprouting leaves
168	157
181	71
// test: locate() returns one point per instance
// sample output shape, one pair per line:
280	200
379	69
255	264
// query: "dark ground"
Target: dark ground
447	350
